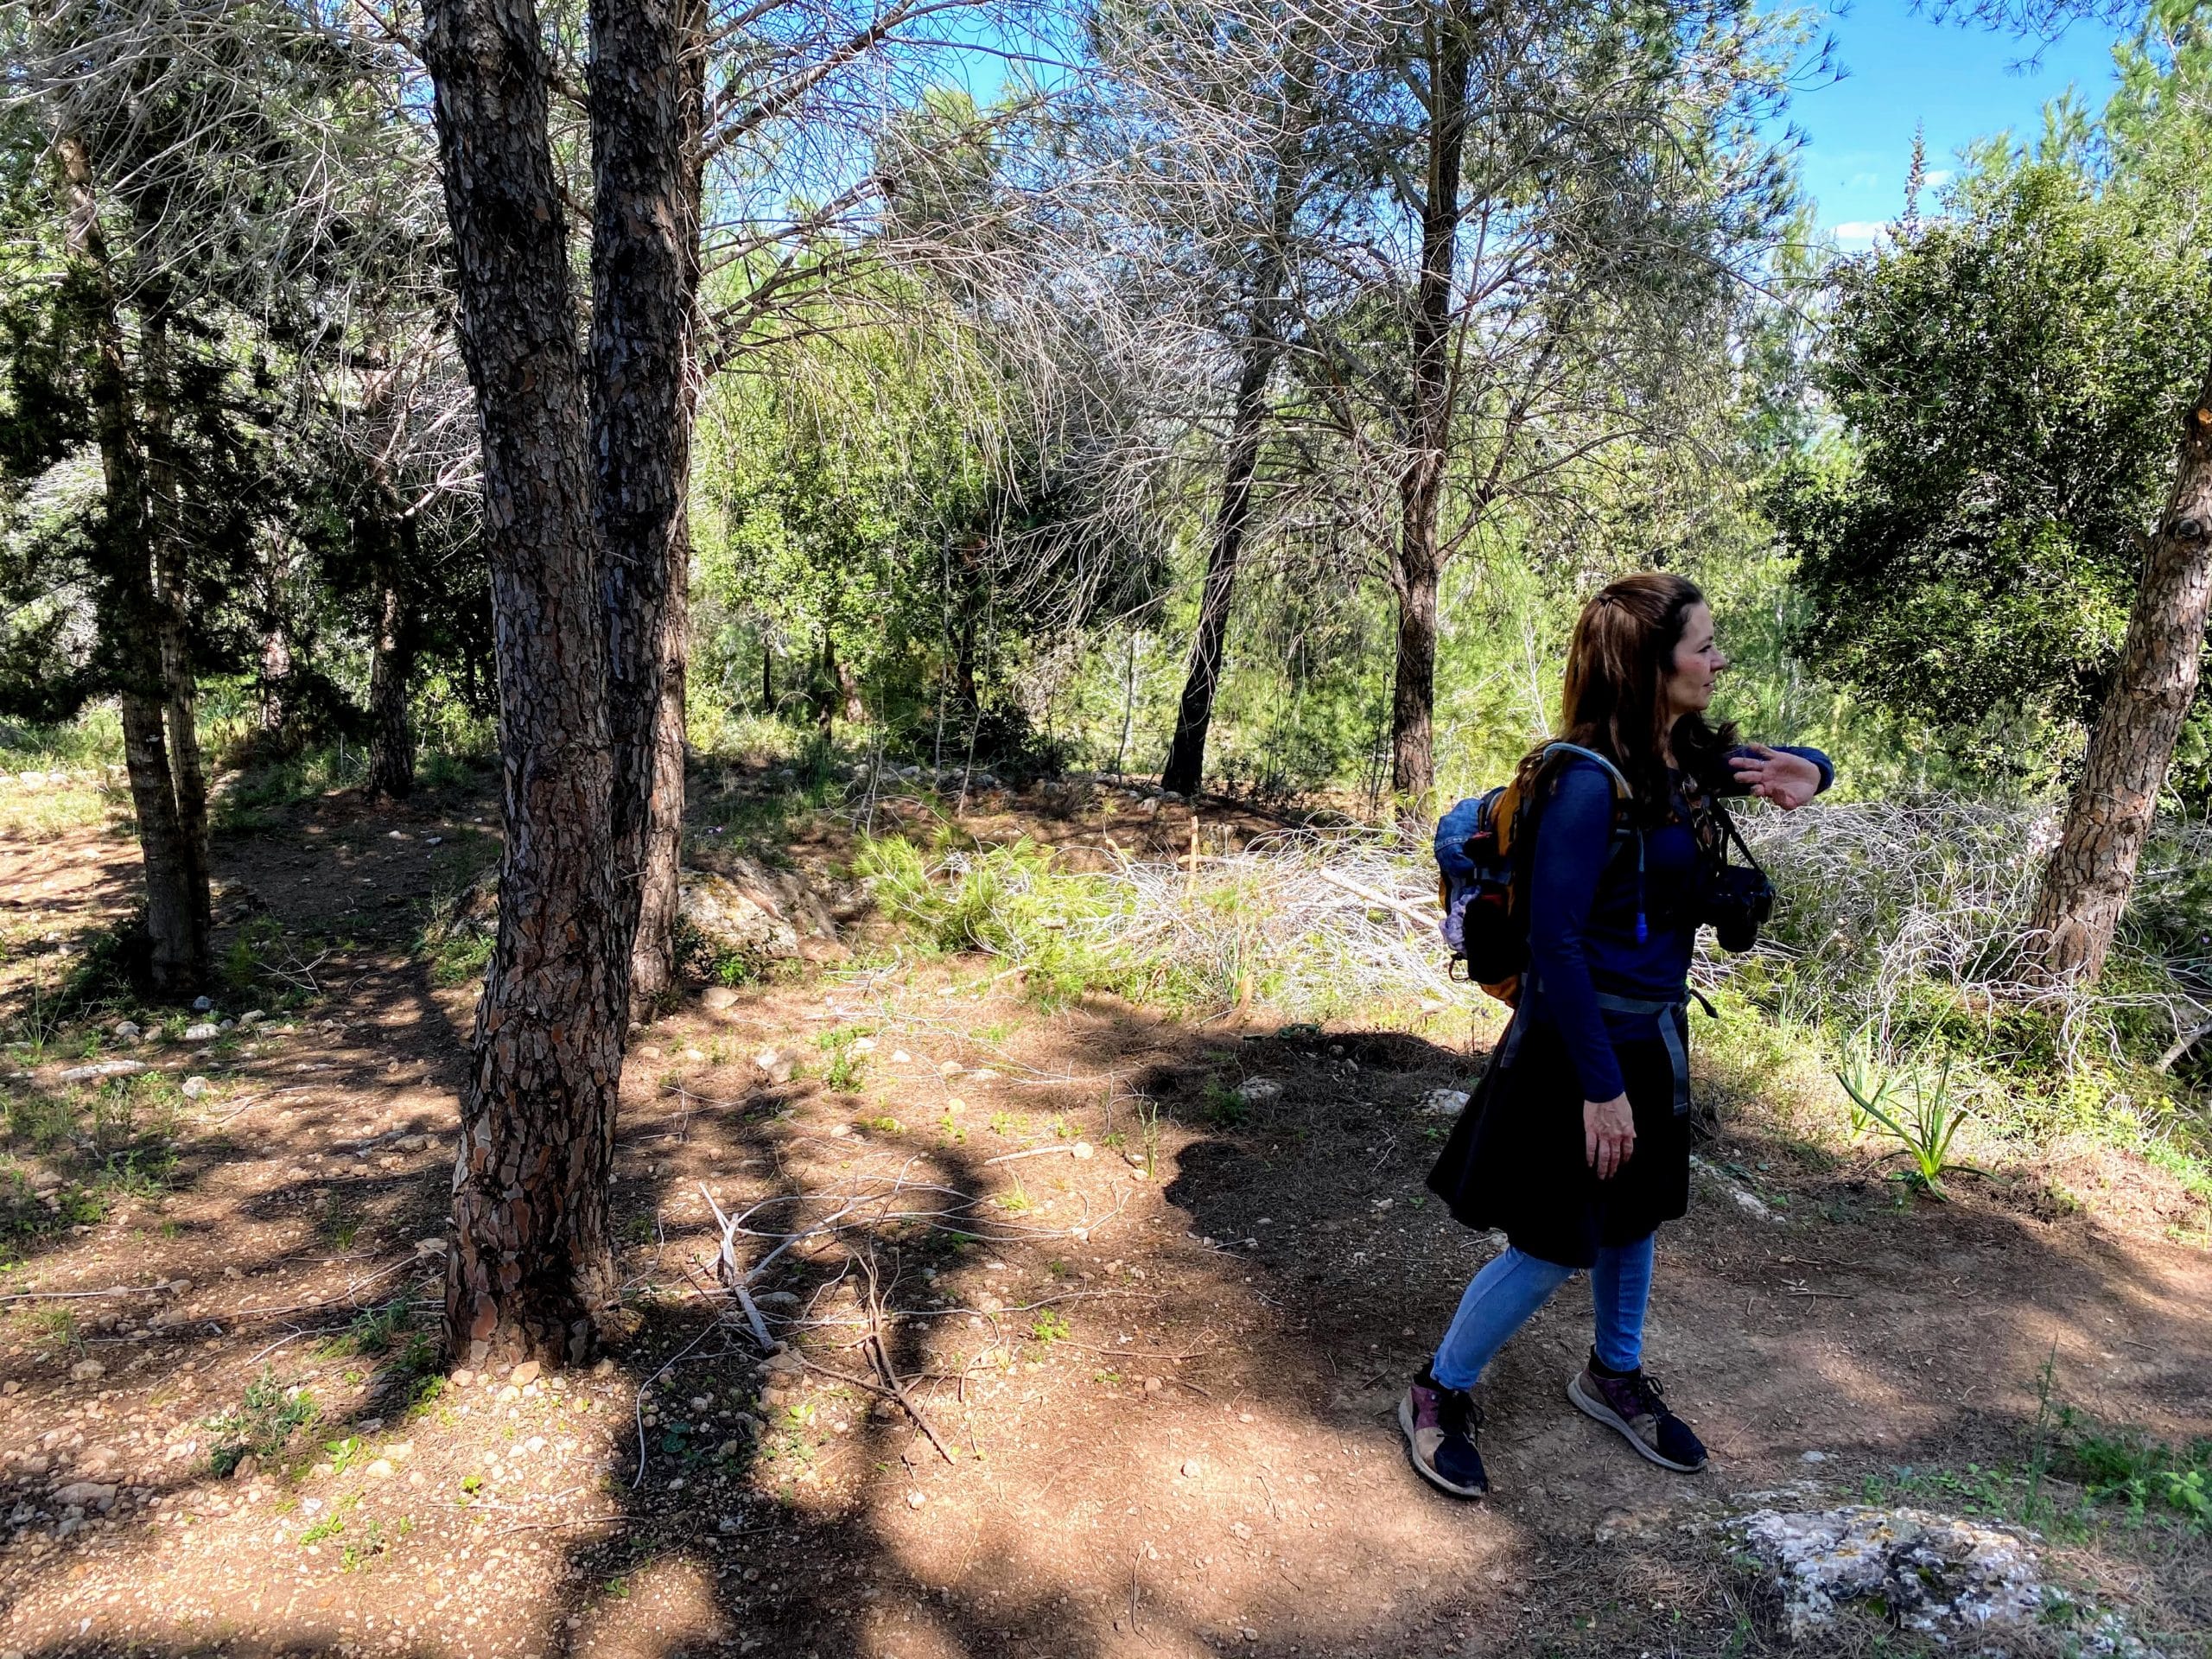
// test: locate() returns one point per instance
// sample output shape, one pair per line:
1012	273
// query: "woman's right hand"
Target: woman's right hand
1608	1134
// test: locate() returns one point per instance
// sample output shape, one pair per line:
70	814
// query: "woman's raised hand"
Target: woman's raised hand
1787	780
1608	1134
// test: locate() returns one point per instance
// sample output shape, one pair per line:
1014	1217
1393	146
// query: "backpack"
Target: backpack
1482	877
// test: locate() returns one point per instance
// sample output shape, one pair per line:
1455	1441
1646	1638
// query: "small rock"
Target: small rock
413	1142
863	1044
13	1385
86	1494
717	997
1750	1203
192	1088
380	1468
900	1057
128	1030
251	1018
226	1024
1192	1469
1253	1090
429	1247
915	1500
950	1069
509	1395
525	1374
202	1004
1813	1457
100	1069
604	1368
1444	1102
1083	1149
202	1032
434	841
88	1370
179	1288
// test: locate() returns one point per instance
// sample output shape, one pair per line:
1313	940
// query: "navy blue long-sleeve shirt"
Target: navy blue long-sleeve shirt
1582	909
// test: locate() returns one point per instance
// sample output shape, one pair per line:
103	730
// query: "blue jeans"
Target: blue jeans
1510	1288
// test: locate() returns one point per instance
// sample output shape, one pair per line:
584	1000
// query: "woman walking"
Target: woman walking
1577	1142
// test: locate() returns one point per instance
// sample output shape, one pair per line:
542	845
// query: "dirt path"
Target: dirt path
1164	1396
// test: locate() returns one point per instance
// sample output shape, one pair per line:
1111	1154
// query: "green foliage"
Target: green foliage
1925	1131
2008	376
266	1419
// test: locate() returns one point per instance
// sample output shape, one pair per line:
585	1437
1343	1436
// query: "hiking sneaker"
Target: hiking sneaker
1440	1424
1634	1404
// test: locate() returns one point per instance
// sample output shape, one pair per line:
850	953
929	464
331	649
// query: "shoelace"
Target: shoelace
1648	1394
1456	1412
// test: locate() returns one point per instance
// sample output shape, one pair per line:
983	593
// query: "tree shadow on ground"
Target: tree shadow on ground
1205	1447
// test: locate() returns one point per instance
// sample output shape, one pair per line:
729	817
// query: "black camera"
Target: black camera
1738	898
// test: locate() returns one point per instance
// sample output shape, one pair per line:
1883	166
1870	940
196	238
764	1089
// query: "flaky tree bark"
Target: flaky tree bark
2092	870
647	112
1187	755
1418	565
530	1272
131	615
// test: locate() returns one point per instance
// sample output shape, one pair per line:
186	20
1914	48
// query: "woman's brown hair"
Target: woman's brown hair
1614	700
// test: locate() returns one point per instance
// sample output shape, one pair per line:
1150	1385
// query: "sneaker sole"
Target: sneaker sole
1592	1406
1465	1493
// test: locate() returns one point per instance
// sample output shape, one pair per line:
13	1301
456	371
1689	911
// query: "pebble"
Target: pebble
192	1088
950	1069
915	1500
251	1018
1083	1149
128	1030
1192	1469
1253	1090
717	997
202	1004
525	1374
88	1370
900	1057
1444	1102
202	1032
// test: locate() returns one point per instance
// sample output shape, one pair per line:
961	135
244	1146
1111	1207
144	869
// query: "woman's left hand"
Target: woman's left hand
1787	780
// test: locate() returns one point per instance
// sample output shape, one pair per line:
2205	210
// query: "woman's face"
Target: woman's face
1697	661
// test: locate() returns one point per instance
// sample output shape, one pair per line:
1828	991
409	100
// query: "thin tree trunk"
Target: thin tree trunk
2092	870
768	677
647	112
177	908
172	601
530	1272
391	672
1187	755
1420	557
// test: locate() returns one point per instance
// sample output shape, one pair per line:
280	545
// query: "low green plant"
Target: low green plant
1016	1202
1924	1132
1050	1326
845	1068
329	1527
267	1417
2127	1466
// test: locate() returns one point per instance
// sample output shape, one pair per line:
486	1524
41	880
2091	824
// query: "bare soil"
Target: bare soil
1164	1396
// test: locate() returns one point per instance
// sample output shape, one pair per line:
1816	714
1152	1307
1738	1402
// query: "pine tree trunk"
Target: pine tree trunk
1419	561
181	683
530	1272
2092	870
647	112
130	622
1187	755
391	672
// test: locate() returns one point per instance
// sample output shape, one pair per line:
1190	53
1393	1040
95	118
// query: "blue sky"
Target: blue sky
1903	68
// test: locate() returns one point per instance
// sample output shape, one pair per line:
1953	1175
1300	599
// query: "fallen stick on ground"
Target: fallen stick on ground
1360	891
1034	1152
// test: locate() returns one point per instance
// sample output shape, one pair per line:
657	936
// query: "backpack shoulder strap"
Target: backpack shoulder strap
1621	789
